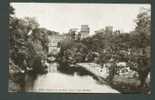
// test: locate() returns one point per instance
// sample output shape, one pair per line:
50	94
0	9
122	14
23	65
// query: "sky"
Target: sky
60	17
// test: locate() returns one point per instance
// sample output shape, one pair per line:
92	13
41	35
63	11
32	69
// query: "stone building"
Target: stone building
84	31
54	41
109	29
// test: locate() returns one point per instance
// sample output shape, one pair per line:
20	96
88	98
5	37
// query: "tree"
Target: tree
11	11
141	45
76	52
27	51
71	53
143	30
31	23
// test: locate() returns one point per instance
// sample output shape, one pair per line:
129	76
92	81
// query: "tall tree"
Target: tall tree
141	41
27	48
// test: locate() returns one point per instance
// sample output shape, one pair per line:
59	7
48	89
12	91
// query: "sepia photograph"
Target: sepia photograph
79	48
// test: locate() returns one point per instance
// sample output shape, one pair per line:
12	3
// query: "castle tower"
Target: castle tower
84	31
109	30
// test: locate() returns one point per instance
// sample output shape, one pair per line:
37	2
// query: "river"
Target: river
55	81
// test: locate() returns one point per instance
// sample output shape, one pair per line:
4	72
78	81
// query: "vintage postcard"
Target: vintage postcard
79	48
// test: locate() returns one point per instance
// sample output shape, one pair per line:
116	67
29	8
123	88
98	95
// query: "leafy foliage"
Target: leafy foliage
132	48
142	44
28	47
73	52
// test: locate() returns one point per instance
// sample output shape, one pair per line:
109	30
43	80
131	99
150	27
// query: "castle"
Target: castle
79	34
73	34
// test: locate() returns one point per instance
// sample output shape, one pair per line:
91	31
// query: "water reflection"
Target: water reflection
68	79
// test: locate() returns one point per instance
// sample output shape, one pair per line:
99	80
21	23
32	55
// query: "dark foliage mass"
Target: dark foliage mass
28	48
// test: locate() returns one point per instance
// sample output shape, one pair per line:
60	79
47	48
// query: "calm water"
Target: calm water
55	81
